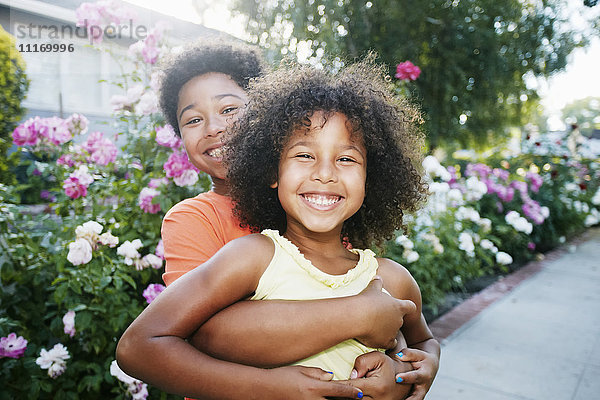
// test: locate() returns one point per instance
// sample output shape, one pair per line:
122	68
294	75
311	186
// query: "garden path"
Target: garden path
534	335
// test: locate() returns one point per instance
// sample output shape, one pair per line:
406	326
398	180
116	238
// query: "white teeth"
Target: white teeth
216	153
322	200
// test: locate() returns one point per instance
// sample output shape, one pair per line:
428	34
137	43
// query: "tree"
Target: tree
585	113
13	87
473	54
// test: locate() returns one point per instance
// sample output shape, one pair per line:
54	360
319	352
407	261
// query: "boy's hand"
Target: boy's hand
384	316
374	373
425	366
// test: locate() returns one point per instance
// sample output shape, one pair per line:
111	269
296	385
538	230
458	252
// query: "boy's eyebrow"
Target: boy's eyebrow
217	97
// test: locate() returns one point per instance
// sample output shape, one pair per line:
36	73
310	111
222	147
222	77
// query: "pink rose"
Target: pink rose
73	188
145	200
153	290
177	163
25	135
165	136
12	346
407	71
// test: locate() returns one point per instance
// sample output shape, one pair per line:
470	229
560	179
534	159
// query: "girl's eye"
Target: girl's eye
346	159
307	156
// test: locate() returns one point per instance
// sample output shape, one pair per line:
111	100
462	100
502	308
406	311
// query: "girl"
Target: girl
330	159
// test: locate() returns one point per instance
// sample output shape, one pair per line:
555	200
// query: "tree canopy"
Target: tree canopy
473	54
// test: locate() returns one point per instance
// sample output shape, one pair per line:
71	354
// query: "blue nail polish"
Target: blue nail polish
399	380
400	354
329	372
359	395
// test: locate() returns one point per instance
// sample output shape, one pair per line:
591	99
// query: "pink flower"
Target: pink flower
189	177
536	181
95	17
407	71
157	182
153	290
66	159
25	135
83	175
150	54
77	124
73	188
160	249
92	141
177	163
105	153
165	136
69	323
56	130
12	346
145	200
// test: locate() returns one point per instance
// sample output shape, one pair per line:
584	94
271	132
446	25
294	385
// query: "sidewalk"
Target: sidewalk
534	335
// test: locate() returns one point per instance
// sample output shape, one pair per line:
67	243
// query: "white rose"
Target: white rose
503	258
80	252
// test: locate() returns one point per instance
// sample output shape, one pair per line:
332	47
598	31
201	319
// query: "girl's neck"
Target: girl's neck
328	244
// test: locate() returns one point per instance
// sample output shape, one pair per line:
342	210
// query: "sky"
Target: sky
580	79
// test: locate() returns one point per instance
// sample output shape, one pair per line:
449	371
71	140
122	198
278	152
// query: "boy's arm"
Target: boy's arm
271	333
160	331
423	350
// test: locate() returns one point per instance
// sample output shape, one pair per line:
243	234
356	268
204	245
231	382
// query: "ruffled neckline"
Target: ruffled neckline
333	281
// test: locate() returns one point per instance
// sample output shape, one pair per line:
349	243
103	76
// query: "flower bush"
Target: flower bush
73	276
483	217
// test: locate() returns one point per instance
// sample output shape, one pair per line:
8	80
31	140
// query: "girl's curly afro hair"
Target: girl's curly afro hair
281	102
240	61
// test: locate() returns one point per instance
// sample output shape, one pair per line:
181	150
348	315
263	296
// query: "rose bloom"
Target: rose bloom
407	71
145	200
188	177
54	360
69	323
80	252
153	290
12	346
24	134
165	136
73	188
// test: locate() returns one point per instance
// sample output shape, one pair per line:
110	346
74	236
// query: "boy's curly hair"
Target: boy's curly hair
281	102
240	61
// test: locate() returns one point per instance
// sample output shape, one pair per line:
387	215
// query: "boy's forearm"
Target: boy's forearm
271	333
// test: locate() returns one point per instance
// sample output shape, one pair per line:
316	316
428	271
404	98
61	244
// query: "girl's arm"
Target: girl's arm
264	338
154	347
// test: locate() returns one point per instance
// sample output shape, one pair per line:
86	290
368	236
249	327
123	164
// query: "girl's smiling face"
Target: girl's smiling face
322	175
207	106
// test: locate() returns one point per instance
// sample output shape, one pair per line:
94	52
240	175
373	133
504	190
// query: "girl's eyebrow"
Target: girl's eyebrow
185	109
308	144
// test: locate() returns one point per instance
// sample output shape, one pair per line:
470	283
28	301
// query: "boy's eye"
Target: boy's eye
230	110
193	121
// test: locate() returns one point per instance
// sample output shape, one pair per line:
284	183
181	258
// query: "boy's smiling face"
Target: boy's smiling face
208	104
322	175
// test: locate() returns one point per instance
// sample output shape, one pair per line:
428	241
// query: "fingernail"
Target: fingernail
398	380
329	372
400	354
359	395
354	374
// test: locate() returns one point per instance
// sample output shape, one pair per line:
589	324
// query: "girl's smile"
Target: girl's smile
322	174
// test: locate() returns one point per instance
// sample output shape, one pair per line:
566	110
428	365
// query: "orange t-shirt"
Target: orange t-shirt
194	229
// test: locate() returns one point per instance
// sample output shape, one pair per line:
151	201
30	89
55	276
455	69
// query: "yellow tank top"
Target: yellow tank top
290	276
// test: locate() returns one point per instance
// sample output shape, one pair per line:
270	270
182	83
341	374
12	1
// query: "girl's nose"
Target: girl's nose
324	172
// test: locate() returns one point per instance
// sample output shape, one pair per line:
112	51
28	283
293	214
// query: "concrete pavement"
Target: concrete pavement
534	335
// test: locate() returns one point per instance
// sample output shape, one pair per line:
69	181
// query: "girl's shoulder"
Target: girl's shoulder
397	279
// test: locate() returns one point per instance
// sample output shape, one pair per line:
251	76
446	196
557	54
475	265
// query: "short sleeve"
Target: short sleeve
189	239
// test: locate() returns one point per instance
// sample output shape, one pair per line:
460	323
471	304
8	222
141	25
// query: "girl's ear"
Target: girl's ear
274	185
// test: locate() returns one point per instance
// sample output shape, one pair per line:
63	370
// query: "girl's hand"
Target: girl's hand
383	317
307	383
374	373
425	366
